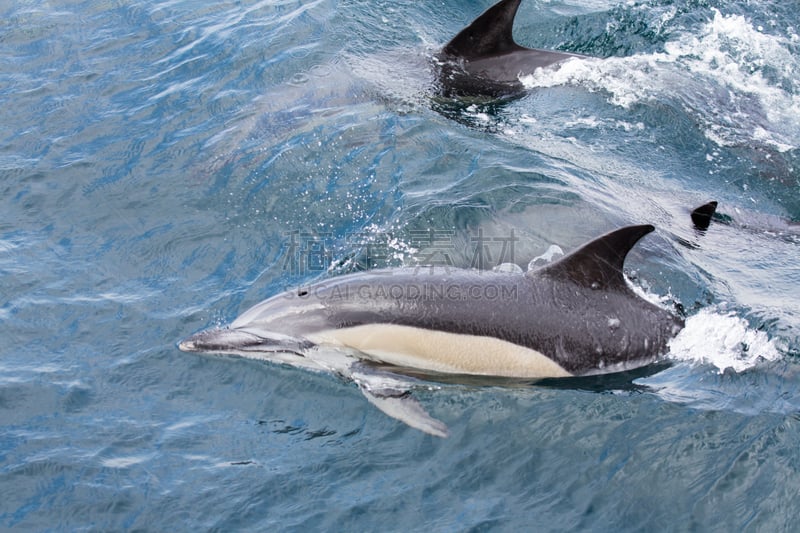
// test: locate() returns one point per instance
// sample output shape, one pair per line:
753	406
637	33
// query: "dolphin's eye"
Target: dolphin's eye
302	292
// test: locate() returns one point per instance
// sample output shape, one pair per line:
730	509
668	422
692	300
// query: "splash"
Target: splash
723	340
373	246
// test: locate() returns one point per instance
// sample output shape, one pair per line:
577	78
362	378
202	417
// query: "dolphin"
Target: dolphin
484	60
759	223
576	316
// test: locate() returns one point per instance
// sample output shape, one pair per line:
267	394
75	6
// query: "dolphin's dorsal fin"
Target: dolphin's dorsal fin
488	35
701	217
598	264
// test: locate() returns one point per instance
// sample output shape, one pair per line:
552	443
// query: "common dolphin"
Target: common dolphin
573	317
484	60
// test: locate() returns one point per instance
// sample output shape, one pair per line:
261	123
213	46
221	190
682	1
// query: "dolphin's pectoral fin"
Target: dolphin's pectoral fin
396	400
407	409
597	264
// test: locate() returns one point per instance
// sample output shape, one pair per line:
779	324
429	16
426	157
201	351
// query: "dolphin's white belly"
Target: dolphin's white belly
440	351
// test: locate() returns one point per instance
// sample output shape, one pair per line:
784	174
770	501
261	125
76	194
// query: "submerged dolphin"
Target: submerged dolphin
576	316
484	60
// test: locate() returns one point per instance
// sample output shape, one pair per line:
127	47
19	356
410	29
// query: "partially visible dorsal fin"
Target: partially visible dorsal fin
701	217
488	35
598	264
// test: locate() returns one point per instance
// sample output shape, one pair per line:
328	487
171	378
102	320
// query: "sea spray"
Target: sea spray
723	340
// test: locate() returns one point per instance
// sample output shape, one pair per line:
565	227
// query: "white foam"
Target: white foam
552	251
723	340
479	115
718	74
510	268
626	79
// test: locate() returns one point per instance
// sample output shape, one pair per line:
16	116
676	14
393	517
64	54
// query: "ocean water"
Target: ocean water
164	165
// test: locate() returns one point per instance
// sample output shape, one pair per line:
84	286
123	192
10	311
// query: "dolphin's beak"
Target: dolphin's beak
220	340
242	341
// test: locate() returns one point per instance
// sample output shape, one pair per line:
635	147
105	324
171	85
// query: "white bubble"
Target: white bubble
723	340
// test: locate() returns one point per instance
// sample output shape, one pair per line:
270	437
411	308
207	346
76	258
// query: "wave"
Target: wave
740	84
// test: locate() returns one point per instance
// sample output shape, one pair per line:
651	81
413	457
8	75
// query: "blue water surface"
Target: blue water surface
165	165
